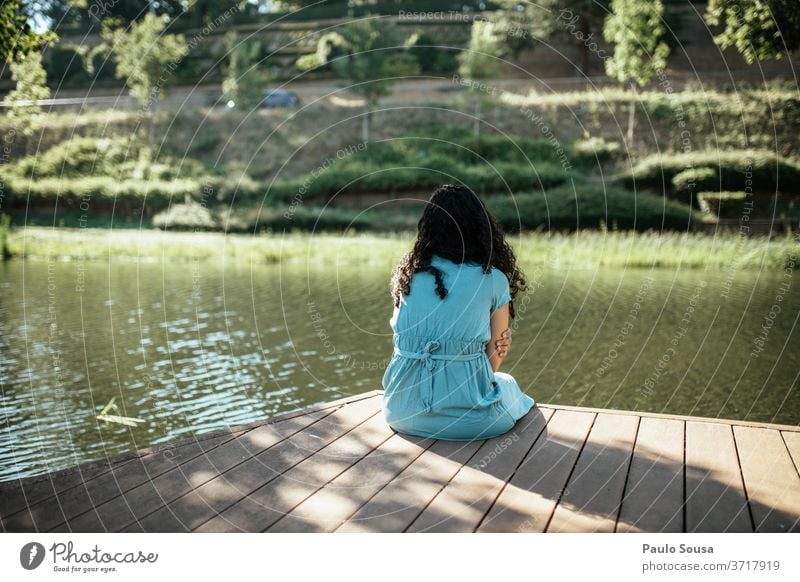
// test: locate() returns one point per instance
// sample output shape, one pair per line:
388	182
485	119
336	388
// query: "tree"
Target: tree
635	28
759	29
205	12
578	21
479	63
521	23
371	54
145	56
31	85
245	79
16	36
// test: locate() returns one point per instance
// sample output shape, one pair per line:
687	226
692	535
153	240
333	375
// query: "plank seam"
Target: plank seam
195	487
442	488
226	508
744	484
627	473
791	458
382	487
310	495
684	518
513	473
571	471
83	483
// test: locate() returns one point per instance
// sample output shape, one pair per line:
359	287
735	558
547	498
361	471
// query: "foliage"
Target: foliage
766	172
576	21
693	179
245	75
587	248
759	29
5	227
370	53
583	206
31	85
635	28
188	216
479	62
16	37
144	54
431	56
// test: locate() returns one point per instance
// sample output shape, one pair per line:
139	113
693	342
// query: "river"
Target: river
192	347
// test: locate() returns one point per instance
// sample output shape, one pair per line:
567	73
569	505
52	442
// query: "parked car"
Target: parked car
281	98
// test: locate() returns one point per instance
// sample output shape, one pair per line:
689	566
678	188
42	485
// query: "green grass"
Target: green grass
582	249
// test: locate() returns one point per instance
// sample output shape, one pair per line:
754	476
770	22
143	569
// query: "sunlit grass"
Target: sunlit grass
586	248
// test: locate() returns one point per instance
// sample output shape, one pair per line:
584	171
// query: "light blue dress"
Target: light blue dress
439	382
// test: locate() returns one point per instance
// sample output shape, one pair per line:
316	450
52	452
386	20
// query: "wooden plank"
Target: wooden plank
770	479
121	510
263	507
329	507
72	498
528	501
592	499
461	505
653	500
209	499
158	496
792	440
19	494
715	498
396	506
642	414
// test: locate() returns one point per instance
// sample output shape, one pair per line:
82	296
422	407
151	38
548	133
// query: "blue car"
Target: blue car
281	98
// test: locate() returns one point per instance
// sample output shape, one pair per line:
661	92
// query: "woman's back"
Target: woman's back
464	314
439	382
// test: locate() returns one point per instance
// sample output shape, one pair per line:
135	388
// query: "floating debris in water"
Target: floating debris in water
125	420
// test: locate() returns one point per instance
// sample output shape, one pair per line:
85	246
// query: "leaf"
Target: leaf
126	420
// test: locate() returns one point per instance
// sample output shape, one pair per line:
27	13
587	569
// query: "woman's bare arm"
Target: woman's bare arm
498	324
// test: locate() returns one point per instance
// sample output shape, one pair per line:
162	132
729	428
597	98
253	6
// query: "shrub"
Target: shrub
588	152
721	204
693	179
589	207
189	216
305	218
766	172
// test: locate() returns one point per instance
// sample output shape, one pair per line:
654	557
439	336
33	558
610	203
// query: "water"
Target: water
194	347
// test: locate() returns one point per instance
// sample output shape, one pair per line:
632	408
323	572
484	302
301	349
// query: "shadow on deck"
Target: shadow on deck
339	467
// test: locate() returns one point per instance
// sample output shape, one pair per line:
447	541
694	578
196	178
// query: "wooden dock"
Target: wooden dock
339	467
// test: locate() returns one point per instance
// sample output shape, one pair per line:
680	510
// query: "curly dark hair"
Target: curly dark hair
456	225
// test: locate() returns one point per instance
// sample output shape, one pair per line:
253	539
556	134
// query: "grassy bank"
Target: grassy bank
586	248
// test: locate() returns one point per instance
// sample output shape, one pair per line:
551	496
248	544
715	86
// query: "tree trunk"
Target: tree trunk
631	114
151	120
476	124
586	61
365	123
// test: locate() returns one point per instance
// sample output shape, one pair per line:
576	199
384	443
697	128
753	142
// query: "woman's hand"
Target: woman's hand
503	344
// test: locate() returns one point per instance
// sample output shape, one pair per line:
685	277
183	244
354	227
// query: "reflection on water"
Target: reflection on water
197	346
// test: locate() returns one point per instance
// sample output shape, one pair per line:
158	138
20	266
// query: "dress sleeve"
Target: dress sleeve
501	293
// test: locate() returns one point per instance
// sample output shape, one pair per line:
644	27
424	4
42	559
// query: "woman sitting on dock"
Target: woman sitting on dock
453	300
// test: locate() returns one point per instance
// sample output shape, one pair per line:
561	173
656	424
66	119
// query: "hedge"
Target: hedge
591	206
768	173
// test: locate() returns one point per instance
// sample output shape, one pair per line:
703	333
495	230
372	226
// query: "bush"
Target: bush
766	172
590	207
588	152
305	218
693	179
721	204
190	216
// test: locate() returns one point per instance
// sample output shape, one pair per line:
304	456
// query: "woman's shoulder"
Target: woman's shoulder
443	263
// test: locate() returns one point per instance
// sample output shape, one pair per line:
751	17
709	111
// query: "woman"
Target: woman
453	300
